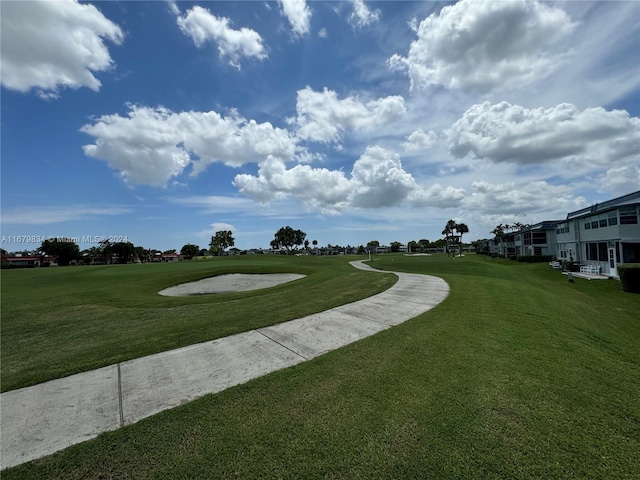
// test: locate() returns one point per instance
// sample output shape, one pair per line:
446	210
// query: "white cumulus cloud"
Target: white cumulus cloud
620	180
437	196
590	138
420	140
322	116
377	180
474	44
522	200
299	15
363	15
50	45
201	26
152	145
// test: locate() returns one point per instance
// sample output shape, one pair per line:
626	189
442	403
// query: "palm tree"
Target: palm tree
498	231
449	228
462	228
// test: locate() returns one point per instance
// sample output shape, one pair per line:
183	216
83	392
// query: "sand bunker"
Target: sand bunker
235	282
417	254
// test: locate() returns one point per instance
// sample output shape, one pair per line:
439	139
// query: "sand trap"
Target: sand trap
234	282
417	254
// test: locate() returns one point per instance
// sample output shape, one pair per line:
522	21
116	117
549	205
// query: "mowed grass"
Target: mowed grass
517	374
60	321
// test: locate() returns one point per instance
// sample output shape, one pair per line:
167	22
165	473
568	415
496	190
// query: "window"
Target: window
597	251
628	216
537	251
587	225
539	238
603	221
603	254
613	218
594	224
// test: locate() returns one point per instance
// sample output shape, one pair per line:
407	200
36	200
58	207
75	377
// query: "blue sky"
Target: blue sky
163	122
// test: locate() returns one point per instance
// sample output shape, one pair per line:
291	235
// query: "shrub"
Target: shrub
630	277
536	258
571	266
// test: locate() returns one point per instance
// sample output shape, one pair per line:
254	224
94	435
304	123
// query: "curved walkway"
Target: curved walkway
40	420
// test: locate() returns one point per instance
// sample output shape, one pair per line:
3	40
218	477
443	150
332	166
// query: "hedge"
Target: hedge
630	277
536	258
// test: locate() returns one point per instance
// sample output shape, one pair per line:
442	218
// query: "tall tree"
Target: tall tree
65	250
449	234
462	228
189	251
124	250
222	240
141	253
106	250
289	238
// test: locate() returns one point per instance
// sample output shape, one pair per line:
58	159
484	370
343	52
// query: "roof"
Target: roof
545	225
629	199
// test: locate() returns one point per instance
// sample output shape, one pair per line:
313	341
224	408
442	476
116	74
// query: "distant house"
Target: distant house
170	257
28	260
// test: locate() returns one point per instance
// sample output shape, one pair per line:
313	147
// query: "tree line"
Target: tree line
286	239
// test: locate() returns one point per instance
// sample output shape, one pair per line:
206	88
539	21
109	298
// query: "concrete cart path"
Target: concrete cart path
42	419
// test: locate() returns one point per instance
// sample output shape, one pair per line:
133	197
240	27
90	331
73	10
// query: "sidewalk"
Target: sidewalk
42	419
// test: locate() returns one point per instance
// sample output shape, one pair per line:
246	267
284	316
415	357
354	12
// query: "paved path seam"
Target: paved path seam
45	418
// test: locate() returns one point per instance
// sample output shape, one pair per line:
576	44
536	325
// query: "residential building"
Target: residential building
503	245
605	234
170	257
537	240
19	260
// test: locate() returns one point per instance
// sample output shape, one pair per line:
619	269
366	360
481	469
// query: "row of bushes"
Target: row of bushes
7	265
630	277
535	258
525	258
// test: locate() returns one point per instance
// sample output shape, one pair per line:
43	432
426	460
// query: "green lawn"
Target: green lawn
59	321
517	374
